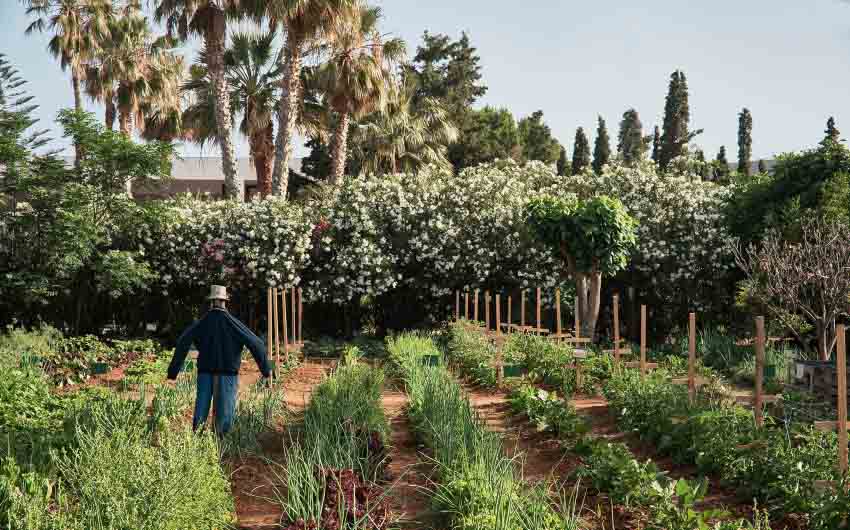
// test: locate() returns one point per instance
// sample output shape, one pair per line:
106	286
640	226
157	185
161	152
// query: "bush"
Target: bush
472	353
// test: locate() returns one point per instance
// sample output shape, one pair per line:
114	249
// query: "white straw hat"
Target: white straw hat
218	292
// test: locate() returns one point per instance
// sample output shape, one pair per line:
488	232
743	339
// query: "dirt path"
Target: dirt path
253	477
406	470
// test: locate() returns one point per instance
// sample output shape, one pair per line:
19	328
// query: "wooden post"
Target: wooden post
292	315
757	403
509	314
475	307
276	330
457	306
692	357
539	324
500	361
300	316
642	339
616	328
633	317
522	309
841	366
487	310
466	304
285	325
269	320
558	313
578	320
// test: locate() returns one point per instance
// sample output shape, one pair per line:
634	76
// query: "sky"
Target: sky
788	61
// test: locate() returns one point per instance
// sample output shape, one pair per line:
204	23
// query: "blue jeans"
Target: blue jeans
225	400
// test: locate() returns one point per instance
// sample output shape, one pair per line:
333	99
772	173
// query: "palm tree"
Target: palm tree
404	136
306	24
208	18
253	79
356	78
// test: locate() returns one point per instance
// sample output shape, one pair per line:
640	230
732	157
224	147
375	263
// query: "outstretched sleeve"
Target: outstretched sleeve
254	344
180	351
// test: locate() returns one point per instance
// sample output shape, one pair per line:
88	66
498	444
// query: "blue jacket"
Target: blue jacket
219	338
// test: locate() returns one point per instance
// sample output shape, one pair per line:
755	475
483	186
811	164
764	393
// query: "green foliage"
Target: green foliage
596	235
563	164
581	152
677	115
547	412
472	353
485	135
536	140
745	142
611	468
721	166
677	509
601	147
631	143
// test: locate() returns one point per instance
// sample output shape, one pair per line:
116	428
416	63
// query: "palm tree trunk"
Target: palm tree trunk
287	114
340	148
125	122
260	156
109	114
78	98
214	41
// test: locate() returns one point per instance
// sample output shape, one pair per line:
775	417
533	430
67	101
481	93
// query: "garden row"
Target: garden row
780	465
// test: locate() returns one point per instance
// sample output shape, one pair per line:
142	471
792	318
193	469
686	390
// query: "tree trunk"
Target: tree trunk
287	114
109	114
78	106
214	36
824	340
589	293
260	156
340	148
125	126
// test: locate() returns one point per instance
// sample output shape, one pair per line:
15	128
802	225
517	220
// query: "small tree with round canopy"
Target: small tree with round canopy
594	237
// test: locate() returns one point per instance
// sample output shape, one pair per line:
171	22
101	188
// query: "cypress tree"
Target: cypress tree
762	166
563	163
832	133
721	166
656	144
745	142
601	147
631	145
581	152
677	115
704	172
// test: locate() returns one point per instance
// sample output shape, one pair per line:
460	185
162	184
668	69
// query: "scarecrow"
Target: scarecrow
219	337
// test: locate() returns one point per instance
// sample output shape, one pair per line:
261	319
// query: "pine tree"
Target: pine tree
832	133
563	163
536	140
675	135
745	142
704	168
631	144
721	166
656	144
317	164
581	152
601	147
762	166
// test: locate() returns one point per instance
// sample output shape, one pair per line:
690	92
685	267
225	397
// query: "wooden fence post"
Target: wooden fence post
757	403
269	320
285	324
487	310
522	309
300	316
500	367
293	315
457	305
642	339
475	307
616	328
578	320
539	324
466	304
276	329
692	357
508	321
841	366
558	313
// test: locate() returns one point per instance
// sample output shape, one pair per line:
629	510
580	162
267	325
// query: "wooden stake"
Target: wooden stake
285	325
487	310
757	403
466	305
292	315
617	328
300	316
276	330
498	314
457	306
539	324
841	365
522	309
692	357
558	313
475	304
578	320
269	320
642	339
509	314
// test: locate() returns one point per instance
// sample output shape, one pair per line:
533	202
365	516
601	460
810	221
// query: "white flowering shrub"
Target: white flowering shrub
193	243
682	261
